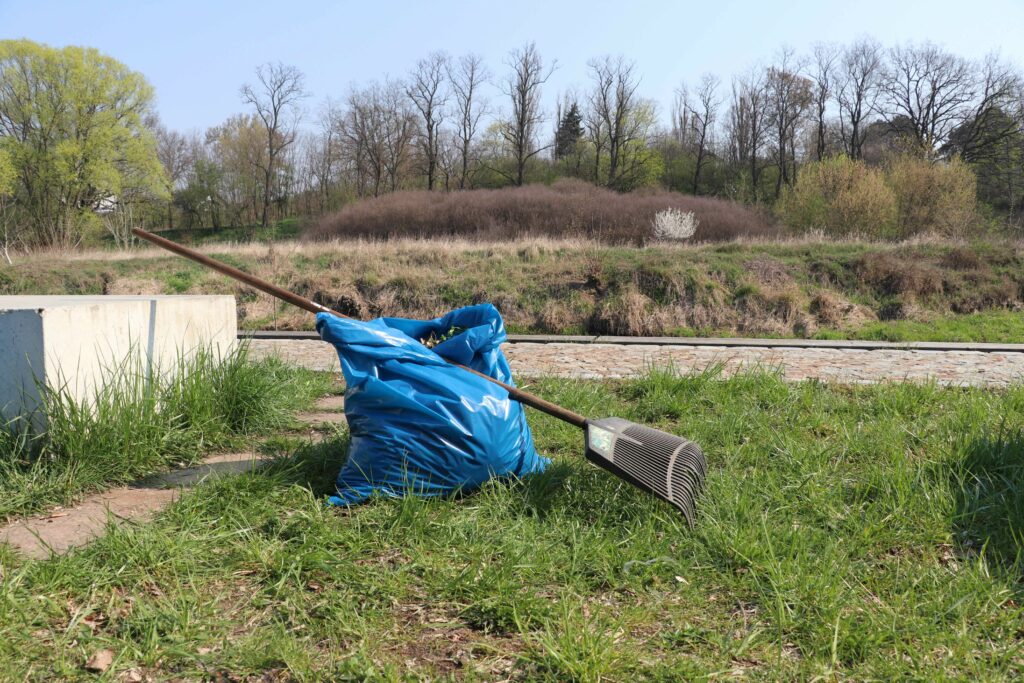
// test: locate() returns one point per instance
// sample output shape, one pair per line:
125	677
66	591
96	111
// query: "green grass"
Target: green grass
846	533
990	326
134	426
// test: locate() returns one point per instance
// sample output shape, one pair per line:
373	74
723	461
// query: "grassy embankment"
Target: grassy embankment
915	291
863	533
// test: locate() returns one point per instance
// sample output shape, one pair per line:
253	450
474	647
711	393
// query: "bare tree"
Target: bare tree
523	88
322	152
702	121
993	115
857	91
173	153
613	106
789	99
681	128
927	93
427	92
379	128
399	133
465	79
748	125
823	74
361	129
276	101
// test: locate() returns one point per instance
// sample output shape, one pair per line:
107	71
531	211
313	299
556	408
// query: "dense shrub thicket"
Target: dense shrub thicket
906	196
839	196
939	197
568	208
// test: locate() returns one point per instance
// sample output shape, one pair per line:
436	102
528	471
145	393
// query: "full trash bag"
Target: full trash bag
419	425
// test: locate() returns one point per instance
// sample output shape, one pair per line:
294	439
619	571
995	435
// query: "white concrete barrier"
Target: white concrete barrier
75	341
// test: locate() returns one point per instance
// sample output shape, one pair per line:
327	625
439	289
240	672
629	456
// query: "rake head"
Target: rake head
665	465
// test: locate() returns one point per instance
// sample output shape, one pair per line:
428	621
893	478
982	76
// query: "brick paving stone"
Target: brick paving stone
598	361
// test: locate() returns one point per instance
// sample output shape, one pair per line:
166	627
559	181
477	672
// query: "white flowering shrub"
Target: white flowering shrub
675	224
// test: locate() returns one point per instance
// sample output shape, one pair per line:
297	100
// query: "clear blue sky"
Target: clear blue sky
197	54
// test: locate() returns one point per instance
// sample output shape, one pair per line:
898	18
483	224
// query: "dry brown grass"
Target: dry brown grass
560	285
567	208
892	275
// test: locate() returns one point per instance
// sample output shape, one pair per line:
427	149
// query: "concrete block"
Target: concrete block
74	341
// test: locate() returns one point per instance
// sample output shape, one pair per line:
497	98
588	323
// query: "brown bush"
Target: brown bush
992	295
891	275
568	208
962	258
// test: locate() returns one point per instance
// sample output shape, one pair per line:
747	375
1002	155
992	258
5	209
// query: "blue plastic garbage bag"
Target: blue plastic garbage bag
418	424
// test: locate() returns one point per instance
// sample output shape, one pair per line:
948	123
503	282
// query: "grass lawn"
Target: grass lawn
864	533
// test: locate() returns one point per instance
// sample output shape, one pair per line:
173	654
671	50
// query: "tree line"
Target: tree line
82	150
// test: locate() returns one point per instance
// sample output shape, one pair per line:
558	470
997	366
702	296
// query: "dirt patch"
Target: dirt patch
320	418
335	402
435	639
61	529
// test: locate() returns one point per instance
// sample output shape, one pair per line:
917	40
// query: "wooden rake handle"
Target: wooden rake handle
524	397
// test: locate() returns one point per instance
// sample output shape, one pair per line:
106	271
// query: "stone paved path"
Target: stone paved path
594	361
59	530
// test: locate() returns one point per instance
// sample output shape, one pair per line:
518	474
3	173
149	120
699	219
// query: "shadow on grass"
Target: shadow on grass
539	493
311	464
989	490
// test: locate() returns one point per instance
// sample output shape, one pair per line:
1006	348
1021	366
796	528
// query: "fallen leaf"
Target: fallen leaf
94	621
100	661
132	676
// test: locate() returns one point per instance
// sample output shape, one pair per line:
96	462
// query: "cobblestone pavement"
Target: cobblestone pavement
596	361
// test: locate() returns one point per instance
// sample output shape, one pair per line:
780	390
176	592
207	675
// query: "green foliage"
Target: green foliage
933	196
911	195
78	139
133	425
7	173
841	197
569	132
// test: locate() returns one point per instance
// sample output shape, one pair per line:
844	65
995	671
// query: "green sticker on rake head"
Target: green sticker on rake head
600	440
